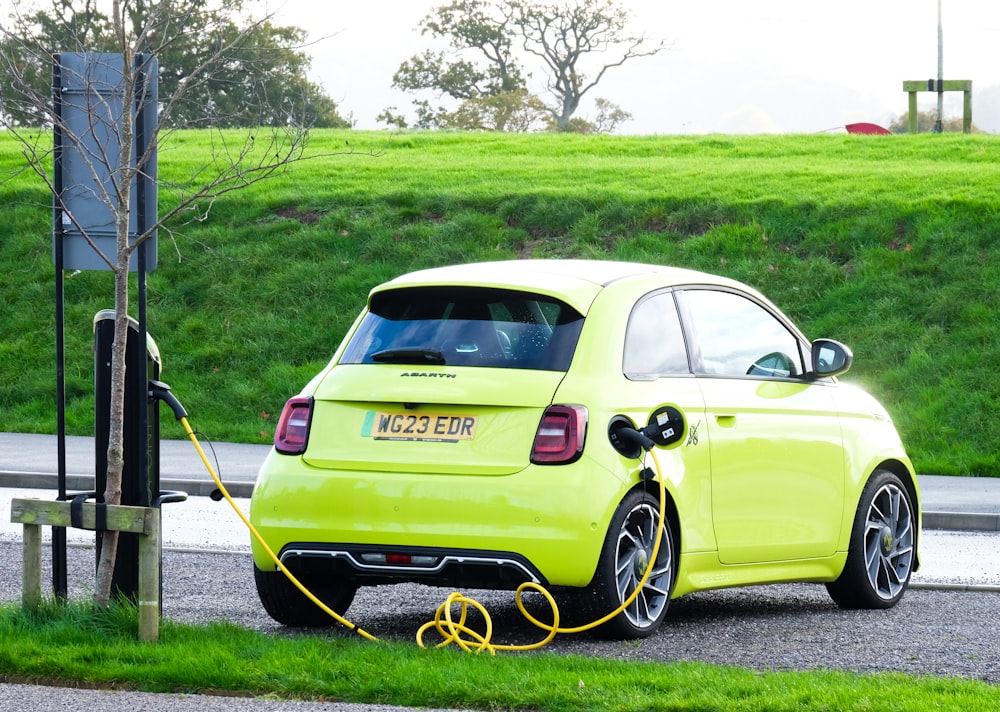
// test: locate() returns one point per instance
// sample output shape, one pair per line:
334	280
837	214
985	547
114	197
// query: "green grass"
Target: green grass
74	644
885	243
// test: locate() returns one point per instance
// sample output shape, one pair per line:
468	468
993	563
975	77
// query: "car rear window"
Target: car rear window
466	326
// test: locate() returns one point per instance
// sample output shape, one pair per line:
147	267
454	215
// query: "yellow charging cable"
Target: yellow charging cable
260	540
454	631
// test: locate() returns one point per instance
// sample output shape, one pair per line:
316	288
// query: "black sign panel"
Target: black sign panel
88	97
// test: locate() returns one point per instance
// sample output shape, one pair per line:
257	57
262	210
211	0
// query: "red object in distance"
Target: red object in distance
867	129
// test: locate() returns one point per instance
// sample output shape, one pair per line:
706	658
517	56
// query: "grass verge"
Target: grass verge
885	243
75	645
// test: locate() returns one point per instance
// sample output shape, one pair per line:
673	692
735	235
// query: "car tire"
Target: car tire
624	558
882	551
286	604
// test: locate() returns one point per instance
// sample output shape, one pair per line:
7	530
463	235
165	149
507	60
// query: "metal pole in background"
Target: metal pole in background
139	361
939	124
59	575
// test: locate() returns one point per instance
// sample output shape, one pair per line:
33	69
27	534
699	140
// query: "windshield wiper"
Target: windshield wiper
410	355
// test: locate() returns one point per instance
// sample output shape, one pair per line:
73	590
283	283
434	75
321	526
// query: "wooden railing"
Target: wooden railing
144	521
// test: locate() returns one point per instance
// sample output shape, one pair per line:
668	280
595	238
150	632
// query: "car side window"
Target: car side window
654	342
736	336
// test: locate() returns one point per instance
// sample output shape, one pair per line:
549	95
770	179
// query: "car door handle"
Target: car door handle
725	420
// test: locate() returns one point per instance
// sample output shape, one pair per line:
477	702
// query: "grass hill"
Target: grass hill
888	244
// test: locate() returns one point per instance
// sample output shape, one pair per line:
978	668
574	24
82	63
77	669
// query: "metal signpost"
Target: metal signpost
88	102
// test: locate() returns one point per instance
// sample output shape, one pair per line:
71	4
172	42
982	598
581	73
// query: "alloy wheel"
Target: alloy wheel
633	558
889	541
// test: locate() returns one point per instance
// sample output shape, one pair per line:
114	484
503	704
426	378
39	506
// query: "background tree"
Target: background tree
926	121
106	146
482	35
609	117
479	72
565	36
261	82
516	111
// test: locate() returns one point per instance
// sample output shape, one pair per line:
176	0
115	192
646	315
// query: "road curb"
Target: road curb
964	587
962	521
85	483
947	521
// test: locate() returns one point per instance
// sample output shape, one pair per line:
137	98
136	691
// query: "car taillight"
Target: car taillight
293	427
560	435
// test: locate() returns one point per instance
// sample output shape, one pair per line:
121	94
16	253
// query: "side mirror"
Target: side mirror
830	358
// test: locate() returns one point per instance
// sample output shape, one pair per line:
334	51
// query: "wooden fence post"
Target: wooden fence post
932	85
31	591
145	521
149	580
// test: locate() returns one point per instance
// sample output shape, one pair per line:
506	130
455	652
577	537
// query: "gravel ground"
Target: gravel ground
781	627
29	698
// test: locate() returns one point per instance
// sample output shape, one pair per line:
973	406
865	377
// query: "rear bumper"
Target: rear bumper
374	565
544	523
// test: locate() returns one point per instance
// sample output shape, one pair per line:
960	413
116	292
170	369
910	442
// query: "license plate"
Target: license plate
432	427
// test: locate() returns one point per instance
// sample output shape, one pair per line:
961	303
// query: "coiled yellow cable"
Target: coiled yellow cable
451	630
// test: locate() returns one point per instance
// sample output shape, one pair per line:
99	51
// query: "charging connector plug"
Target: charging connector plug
160	390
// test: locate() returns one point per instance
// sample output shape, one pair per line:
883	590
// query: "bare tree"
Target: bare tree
564	35
108	148
577	41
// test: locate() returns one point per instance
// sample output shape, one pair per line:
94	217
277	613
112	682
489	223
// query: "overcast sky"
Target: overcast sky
735	66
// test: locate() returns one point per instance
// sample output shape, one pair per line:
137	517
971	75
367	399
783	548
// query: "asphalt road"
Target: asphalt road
792	626
933	631
948	624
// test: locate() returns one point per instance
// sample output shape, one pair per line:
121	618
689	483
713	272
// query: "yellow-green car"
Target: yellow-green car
477	428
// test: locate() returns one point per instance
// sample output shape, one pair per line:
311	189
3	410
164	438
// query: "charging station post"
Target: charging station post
141	473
